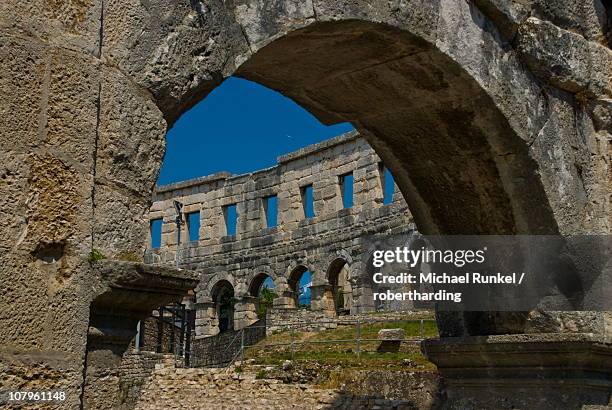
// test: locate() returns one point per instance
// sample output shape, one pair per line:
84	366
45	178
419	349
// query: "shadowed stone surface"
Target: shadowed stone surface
130	291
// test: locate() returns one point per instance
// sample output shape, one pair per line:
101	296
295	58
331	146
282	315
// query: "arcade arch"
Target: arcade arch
222	295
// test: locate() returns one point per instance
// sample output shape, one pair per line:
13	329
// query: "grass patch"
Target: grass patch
336	353
96	255
261	374
128	256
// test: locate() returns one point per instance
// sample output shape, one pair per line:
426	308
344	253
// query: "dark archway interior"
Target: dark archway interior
223	296
337	277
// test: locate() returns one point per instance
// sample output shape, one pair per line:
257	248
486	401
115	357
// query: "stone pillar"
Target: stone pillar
245	312
207	322
285	299
108	338
363	298
322	299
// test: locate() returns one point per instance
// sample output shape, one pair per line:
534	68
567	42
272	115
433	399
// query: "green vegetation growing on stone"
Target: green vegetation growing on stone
129	257
96	255
266	299
324	348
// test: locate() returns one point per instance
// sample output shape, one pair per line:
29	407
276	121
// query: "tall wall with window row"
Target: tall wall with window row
323	234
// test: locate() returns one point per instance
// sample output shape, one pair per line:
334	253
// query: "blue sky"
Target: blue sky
240	127
305	296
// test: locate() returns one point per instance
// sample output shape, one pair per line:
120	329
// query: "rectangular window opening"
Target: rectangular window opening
271	210
193	226
308	201
346	186
231	218
388	185
155	229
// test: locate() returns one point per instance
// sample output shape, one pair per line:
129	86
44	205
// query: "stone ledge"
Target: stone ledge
544	371
140	288
314	148
541	358
121	274
160	189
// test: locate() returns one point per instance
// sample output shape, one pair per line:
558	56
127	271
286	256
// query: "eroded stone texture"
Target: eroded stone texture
129	140
567	60
506	15
485	134
170	388
158	40
587	18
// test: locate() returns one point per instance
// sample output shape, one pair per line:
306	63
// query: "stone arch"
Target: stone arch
294	275
261	305
222	295
438	66
256	282
442	92
207	289
542	168
537	109
433	102
338	254
254	279
338	277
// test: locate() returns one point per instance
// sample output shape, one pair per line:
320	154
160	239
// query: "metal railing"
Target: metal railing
168	330
224	348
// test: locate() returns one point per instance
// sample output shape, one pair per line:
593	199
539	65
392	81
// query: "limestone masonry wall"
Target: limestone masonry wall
495	116
135	370
171	388
307	320
329	245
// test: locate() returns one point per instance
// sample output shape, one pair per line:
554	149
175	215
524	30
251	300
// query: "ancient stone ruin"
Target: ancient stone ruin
494	116
329	244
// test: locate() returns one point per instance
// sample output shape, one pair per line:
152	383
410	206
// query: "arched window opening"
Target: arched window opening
300	282
264	289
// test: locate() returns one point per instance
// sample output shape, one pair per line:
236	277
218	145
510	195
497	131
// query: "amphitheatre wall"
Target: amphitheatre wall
328	244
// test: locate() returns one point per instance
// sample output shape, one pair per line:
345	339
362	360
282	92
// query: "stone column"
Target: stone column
207	322
245	312
322	299
362	297
108	338
286	297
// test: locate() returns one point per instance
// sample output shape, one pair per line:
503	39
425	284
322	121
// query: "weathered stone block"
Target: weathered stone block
391	334
566	59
